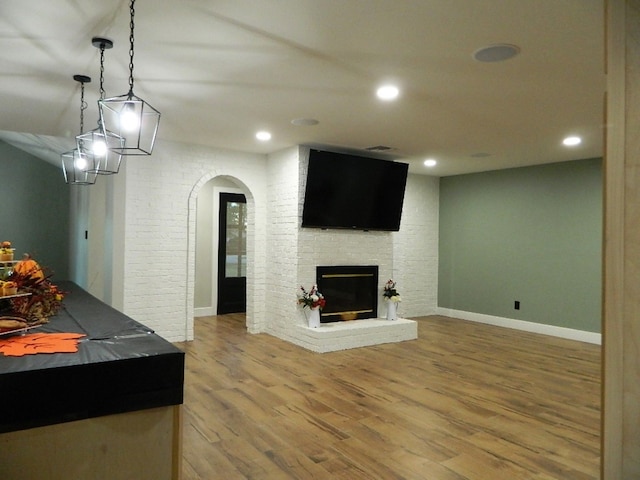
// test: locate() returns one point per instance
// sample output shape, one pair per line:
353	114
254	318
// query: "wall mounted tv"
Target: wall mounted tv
354	192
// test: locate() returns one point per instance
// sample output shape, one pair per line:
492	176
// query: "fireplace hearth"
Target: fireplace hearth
351	292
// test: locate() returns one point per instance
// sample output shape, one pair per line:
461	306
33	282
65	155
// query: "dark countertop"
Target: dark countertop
121	366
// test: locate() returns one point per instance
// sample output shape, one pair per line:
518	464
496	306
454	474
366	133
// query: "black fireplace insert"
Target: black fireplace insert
351	292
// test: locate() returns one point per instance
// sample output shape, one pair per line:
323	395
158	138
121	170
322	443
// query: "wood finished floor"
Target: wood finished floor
464	401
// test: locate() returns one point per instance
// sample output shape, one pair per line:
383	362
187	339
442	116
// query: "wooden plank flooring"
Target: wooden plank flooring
464	401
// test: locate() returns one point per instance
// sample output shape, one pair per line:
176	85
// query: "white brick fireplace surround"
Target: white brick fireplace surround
330	337
295	252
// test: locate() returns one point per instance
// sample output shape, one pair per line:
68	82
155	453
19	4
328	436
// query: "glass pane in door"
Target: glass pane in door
236	240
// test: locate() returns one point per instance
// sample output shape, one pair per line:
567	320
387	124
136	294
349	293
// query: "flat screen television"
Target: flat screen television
353	192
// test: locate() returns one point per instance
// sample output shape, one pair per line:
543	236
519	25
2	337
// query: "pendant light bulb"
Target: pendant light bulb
129	119
99	148
80	163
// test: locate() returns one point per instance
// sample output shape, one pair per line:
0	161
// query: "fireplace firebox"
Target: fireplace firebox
351	292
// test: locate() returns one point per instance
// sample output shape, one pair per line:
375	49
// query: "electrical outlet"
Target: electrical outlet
516	304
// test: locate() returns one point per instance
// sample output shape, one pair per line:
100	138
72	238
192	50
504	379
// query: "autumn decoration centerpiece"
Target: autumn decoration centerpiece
314	301
392	296
33	298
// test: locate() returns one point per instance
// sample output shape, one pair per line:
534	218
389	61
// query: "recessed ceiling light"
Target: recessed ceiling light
304	122
430	162
572	141
263	136
388	92
496	53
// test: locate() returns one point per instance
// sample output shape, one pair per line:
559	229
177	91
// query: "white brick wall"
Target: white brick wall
159	231
282	241
415	248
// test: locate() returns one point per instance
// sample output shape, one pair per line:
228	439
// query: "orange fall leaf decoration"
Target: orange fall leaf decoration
34	343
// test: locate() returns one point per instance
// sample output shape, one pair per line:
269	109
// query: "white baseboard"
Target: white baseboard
562	332
203	312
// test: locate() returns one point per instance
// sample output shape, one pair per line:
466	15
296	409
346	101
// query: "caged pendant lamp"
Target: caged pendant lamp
75	162
99	145
130	116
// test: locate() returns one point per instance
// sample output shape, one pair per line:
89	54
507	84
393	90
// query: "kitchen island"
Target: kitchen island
111	410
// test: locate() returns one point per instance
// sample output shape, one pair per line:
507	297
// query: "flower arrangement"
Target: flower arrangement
390	293
312	298
44	302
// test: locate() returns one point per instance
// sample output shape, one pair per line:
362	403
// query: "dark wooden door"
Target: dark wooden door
232	254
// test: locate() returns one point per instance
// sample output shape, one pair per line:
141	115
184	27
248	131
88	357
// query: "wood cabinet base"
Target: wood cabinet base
139	445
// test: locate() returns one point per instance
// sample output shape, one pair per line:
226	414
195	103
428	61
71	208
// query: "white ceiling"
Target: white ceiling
219	70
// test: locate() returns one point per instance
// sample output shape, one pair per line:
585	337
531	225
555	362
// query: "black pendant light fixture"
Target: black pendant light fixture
129	116
75	162
100	145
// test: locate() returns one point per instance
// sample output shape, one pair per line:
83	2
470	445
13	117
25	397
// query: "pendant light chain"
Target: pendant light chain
102	46
131	39
83	107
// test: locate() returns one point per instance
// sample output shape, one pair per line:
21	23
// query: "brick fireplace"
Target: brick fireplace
352	293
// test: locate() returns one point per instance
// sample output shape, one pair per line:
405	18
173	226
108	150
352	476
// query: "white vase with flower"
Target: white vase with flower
313	301
392	297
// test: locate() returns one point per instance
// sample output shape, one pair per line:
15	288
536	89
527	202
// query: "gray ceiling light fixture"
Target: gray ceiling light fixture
74	162
100	145
130	116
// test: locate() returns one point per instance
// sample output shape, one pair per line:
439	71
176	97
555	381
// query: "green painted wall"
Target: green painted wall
530	234
34	215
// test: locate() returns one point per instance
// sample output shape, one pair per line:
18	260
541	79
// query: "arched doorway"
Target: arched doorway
207	282
204	204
